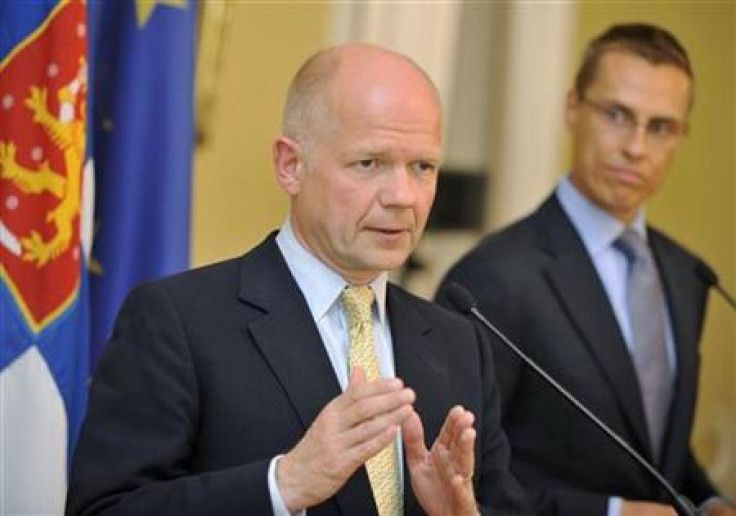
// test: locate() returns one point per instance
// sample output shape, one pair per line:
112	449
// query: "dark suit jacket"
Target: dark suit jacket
536	281
211	373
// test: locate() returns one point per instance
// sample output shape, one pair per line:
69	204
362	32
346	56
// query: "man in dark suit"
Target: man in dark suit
567	287
273	383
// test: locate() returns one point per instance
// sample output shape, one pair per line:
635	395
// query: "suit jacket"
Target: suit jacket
211	373
536	281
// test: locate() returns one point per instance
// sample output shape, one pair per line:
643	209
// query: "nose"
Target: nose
636	142
399	188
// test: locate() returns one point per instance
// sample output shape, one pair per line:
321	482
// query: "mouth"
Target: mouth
626	175
390	232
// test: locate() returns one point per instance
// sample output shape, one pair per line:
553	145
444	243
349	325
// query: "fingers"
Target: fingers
460	485
365	401
412	432
387	424
458	419
455	445
464	454
456	465
352	428
371	412
442	478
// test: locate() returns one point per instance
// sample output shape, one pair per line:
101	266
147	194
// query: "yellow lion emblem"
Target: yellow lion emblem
68	134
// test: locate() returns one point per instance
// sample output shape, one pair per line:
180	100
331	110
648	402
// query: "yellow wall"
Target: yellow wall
696	205
236	199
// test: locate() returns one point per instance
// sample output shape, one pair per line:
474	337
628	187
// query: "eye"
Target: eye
367	164
424	167
617	115
661	127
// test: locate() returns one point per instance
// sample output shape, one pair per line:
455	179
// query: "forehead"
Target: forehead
659	89
389	138
391	105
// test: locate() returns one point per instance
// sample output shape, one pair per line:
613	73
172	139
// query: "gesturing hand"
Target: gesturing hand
442	477
352	428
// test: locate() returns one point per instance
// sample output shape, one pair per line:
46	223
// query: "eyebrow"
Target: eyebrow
630	111
379	151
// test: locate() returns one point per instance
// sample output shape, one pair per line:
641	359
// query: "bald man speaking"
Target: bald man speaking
296	378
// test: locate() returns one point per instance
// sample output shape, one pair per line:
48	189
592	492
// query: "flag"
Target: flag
45	194
143	141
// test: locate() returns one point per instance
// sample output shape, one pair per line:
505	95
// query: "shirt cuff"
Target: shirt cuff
277	502
614	506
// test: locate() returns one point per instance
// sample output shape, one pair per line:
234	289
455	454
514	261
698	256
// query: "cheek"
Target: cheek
425	199
335	193
349	204
601	148
594	146
656	179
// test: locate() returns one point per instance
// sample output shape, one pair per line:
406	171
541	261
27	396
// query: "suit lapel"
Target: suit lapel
574	280
286	335
421	364
684	309
291	345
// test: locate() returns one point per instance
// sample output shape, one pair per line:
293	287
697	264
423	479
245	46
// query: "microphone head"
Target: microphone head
459	297
709	277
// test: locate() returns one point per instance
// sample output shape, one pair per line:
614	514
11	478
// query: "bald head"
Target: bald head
359	158
339	75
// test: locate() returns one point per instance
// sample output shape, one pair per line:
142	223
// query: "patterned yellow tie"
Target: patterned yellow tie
382	468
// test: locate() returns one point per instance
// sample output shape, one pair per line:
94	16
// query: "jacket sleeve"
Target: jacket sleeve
497	490
696	484
134	452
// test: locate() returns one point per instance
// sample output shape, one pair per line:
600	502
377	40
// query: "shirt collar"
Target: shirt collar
597	228
321	285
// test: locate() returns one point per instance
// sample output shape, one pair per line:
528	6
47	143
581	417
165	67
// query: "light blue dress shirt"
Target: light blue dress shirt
599	230
321	287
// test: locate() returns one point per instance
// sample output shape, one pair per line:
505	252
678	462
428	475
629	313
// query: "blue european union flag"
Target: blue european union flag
144	53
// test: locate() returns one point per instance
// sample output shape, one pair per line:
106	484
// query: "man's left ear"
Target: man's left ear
288	164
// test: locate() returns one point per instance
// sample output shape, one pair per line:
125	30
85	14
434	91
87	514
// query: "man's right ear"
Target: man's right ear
572	105
288	163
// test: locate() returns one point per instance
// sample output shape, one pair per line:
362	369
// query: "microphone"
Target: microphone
463	302
710	278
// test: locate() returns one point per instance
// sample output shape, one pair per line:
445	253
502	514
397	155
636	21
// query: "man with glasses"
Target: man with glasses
611	307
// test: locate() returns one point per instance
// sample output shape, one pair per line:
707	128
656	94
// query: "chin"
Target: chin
387	263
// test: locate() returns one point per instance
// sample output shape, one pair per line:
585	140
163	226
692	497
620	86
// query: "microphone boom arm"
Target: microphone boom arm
685	505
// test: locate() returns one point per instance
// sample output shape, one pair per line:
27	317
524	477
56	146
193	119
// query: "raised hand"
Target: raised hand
352	428
442	477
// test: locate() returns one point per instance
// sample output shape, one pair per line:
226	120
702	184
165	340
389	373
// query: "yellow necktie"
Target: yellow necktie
382	468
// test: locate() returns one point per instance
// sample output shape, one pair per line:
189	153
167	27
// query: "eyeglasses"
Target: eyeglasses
618	119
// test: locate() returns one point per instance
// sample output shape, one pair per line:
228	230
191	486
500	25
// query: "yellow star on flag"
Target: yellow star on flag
144	8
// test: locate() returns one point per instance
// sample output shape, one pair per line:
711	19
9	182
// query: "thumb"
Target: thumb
412	433
357	375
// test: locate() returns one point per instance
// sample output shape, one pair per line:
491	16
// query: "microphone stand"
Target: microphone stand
463	301
725	295
711	279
